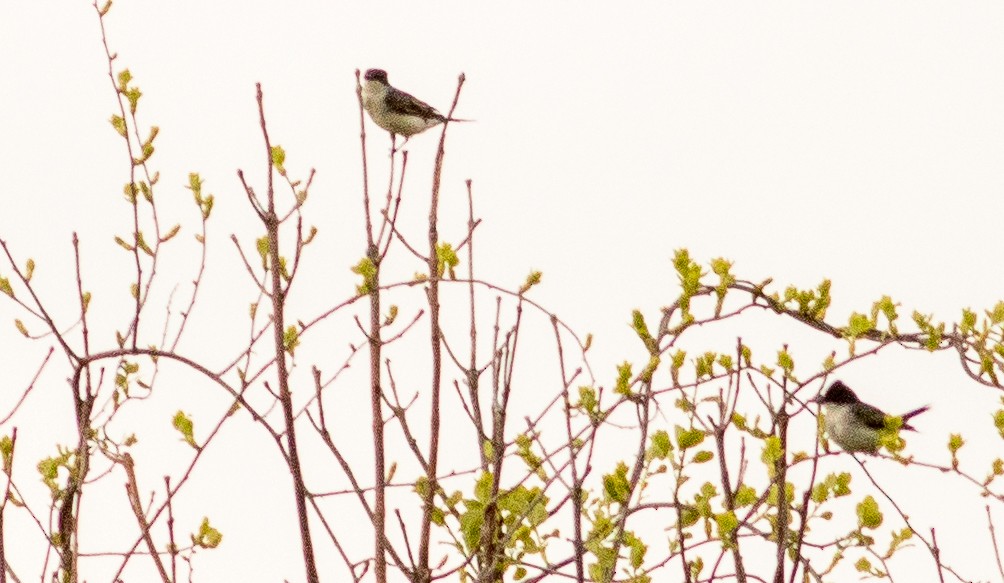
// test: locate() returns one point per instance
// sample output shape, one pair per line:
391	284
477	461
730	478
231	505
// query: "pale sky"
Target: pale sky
856	141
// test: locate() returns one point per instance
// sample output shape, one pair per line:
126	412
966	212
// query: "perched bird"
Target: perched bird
396	111
854	424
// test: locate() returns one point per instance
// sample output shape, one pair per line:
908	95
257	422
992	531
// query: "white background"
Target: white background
857	141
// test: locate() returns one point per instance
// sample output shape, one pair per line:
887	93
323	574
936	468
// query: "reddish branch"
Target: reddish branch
424	574
277	293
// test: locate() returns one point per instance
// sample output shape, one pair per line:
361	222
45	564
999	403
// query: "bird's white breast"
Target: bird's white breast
375	103
374	93
849	433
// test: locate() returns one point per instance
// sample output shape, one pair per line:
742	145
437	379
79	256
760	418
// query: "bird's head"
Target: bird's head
378	75
837	394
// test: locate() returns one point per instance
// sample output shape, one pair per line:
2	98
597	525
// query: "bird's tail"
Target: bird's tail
907	416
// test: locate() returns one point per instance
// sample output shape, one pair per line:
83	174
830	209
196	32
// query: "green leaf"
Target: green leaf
898	538
142	245
703	456
690	275
290	339
889	437
602	571
955	443
696	566
650	368
154	131
641	328
205	204
422	486
660	446
887	308
857	325
146	150
5	287
589	403
7	451
842	484
471	521
703	499
124	78
869	515
745	496
207	537
772	494
623	384
616	486
727	523
195	185
483	488
997	314
391	315
279	158
704	365
368	270
863	565
747	354
772	453
837	484
722	268
968	322
184	425
679	358
820	493
785	361
933	332
49	467
687	438
263	247
531	280
524	450
447	260
636	548
170	234
689	516
132	95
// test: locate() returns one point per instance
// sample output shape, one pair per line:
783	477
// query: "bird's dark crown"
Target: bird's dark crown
839	394
376	75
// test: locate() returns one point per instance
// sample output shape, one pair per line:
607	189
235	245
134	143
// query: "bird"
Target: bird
854	424
396	111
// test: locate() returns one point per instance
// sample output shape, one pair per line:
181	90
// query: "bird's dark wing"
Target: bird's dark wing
406	104
914	413
873	417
